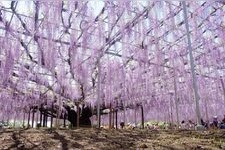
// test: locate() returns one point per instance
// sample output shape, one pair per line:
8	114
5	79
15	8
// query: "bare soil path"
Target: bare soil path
102	139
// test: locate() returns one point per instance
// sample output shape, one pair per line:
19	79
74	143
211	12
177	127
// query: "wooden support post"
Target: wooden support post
23	119
28	125
46	120
193	73
51	117
124	114
113	116
116	119
14	121
64	120
99	93
99	119
135	116
223	87
41	116
36	118
32	124
43	119
92	114
176	97
110	116
78	115
142	117
171	108
206	108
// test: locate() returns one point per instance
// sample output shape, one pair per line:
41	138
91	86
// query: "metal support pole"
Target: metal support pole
196	95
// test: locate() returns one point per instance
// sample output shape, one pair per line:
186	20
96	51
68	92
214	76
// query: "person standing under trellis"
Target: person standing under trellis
223	121
222	126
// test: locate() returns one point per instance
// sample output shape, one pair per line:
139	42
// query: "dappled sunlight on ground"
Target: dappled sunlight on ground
110	139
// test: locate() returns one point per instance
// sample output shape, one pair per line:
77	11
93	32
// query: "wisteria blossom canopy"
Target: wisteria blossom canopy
54	50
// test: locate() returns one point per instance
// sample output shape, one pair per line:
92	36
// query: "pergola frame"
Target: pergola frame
71	40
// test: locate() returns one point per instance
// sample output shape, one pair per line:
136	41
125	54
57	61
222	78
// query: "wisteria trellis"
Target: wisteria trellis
52	49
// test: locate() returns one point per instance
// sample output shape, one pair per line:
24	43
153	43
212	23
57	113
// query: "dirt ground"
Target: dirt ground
97	139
